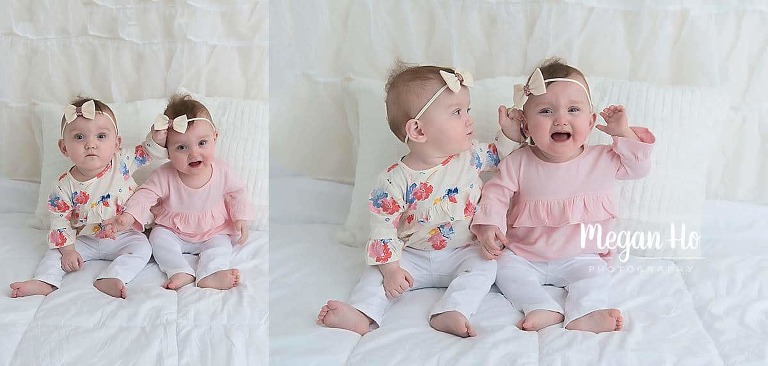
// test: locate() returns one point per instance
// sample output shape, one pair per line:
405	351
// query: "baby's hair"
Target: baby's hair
555	67
99	105
184	104
408	88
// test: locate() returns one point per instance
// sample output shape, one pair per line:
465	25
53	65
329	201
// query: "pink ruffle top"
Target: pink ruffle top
541	205
194	214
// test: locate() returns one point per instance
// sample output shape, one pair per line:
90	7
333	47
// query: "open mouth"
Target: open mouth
561	136
195	164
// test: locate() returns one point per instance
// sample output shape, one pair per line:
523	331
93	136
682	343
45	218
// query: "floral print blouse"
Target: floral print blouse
429	209
78	208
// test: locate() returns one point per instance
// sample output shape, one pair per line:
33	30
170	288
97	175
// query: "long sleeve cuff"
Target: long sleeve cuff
143	216
631	150
153	148
381	251
504	145
645	135
241	211
490	215
137	226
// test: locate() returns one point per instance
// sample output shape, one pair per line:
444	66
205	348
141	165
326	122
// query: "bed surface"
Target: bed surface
730	288
77	324
699	312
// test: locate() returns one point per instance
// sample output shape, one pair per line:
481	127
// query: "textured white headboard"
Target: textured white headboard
694	43
122	51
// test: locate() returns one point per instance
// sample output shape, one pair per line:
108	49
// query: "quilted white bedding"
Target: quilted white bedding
77	325
709	311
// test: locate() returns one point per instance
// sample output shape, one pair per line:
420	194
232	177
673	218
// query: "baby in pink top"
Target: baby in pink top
556	185
200	205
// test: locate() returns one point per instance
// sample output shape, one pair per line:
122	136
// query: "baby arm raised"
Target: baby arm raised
615	117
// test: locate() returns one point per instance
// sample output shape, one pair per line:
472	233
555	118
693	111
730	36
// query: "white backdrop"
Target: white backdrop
122	51
693	43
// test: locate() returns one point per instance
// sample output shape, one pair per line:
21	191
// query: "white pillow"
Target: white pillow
684	120
243	142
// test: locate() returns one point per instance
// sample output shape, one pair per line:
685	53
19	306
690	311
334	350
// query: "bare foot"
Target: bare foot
179	280
598	321
539	319
221	280
336	314
452	322
30	287
111	286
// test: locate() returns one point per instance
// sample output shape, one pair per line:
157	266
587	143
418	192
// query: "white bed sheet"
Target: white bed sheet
673	315
77	324
730	286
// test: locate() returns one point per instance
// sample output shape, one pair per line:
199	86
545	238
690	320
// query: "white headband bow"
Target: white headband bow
452	81
87	110
179	123
538	86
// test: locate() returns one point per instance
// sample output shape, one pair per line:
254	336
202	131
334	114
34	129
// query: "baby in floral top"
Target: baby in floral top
422	205
92	191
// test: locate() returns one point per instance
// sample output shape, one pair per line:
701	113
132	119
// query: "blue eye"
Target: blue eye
573	109
181	147
202	143
79	136
101	136
545	110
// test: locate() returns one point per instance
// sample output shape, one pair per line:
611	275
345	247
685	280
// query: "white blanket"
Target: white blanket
730	287
78	325
700	312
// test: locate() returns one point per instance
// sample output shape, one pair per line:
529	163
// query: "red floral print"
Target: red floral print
423	191
379	250
56	237
80	198
469	209
438	242
389	206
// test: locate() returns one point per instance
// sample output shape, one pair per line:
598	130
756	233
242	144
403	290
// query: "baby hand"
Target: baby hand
492	241
241	226
159	136
119	223
70	259
511	123
396	279
616	122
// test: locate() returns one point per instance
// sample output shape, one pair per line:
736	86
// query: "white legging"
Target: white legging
584	277
168	249
129	253
466	274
